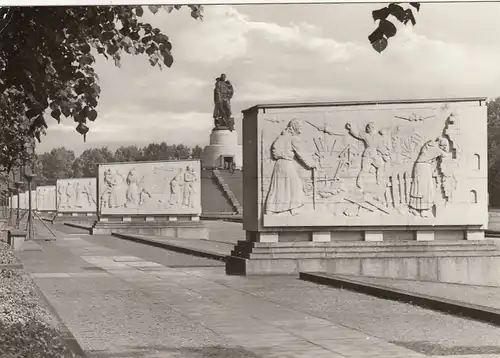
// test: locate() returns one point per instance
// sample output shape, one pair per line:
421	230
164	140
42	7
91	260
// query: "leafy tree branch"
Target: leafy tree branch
386	29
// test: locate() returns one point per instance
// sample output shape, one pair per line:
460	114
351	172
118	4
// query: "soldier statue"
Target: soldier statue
223	92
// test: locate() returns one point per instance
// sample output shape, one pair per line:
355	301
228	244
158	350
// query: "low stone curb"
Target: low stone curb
78	226
230	218
492	233
11	266
457	308
177	248
66	334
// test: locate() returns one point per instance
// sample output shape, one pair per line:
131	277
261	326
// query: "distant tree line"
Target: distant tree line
62	163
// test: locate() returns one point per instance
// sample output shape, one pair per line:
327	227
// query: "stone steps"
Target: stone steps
227	190
363	249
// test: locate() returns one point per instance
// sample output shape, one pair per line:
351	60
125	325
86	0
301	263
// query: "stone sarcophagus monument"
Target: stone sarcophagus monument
16	200
398	177
23	200
46	199
33	200
76	199
154	198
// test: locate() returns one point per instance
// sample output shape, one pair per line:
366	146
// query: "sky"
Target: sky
285	53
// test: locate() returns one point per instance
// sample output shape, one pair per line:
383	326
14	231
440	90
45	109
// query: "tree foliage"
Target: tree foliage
494	151
386	29
128	154
90	158
196	152
55	164
14	137
47	56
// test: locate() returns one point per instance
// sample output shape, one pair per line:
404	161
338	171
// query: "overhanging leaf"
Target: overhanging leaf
168	59
56	114
387	28
153	8
409	17
380	14
398	12
380	45
416	5
376	35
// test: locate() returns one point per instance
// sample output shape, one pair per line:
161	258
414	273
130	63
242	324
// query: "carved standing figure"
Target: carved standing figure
109	196
70	192
423	186
223	93
89	193
286	188
190	178
39	199
61	196
132	195
78	196
176	188
371	157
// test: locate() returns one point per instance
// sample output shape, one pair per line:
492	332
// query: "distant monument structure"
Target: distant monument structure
223	150
223	93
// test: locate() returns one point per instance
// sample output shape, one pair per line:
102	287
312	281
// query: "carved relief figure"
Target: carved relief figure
190	178
70	192
373	156
61	196
143	194
78	196
89	193
176	188
109	196
132	195
223	93
286	188
423	187
39	199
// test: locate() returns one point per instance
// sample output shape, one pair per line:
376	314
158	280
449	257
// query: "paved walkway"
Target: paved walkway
123	299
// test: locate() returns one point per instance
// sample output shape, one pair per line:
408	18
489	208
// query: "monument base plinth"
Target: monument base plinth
223	147
465	261
181	227
85	218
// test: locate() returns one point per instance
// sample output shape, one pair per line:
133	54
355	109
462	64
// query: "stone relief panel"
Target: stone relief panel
23	202
14	202
33	200
46	198
76	195
150	188
386	165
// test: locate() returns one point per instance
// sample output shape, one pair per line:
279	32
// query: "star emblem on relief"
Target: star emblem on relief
273	120
414	117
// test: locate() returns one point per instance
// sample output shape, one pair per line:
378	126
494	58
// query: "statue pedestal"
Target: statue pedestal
223	147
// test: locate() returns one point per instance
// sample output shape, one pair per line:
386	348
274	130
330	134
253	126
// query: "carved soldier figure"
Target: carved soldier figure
373	153
223	93
190	178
